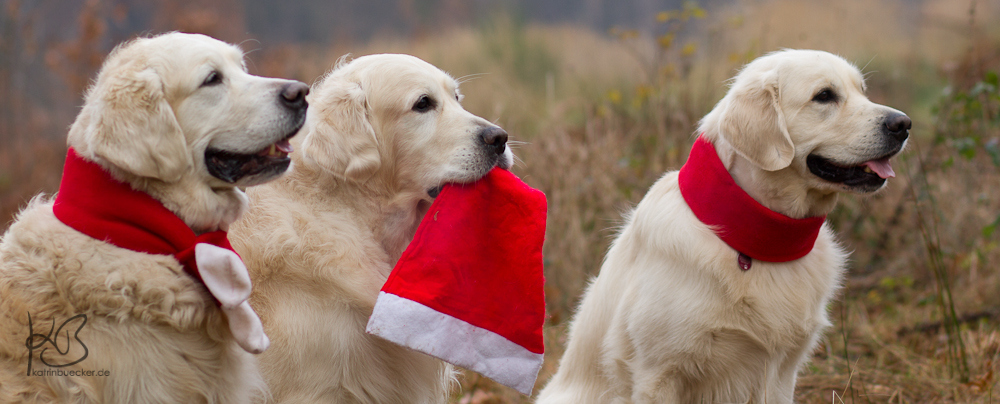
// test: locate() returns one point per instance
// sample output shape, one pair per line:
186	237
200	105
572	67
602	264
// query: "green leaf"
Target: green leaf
992	79
966	147
989	229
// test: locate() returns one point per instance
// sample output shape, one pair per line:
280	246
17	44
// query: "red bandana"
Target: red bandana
93	203
739	220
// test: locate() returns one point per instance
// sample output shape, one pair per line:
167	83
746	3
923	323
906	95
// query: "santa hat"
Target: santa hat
468	288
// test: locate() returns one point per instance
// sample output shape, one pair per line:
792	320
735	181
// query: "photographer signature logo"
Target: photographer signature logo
54	338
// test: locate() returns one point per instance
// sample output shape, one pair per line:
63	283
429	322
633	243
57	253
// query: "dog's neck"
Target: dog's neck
205	209
401	217
773	189
220	207
390	216
746	225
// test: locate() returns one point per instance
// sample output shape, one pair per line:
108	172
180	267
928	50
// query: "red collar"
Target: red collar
95	204
739	220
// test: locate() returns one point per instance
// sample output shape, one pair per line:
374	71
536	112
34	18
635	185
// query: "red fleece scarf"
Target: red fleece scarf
94	203
739	220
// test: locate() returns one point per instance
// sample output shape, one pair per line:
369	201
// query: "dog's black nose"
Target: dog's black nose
898	126
495	139
293	95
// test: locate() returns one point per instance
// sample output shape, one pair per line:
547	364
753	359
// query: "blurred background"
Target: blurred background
603	96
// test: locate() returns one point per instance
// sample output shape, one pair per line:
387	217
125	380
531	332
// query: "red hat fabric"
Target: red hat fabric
468	288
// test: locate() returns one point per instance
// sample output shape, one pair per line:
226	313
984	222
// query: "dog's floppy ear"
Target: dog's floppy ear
134	128
754	124
341	138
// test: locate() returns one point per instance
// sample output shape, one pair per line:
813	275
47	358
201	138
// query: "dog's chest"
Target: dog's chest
688	296
780	304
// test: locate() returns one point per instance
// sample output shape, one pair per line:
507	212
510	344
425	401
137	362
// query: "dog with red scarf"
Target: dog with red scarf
123	288
716	290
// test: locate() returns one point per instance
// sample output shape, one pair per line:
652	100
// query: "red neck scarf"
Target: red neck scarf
95	204
739	220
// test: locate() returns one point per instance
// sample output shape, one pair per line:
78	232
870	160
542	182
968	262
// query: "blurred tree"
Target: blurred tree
222	19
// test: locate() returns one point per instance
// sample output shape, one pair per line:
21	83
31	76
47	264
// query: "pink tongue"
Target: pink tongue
881	167
286	147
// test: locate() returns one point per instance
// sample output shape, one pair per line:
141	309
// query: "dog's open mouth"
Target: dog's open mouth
434	192
232	167
867	176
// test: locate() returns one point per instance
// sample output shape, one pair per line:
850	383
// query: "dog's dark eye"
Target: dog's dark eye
213	78
824	96
424	104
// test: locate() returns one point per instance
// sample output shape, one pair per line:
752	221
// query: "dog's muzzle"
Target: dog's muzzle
272	160
871	175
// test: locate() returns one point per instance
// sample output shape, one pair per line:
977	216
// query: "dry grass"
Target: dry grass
600	119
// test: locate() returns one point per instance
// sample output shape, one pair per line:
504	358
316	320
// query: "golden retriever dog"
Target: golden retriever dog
676	315
178	118
384	133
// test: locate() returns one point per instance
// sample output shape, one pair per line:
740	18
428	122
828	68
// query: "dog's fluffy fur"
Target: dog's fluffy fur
671	318
148	119
383	134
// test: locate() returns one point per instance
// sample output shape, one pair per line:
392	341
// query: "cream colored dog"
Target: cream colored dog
672	318
385	132
175	116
